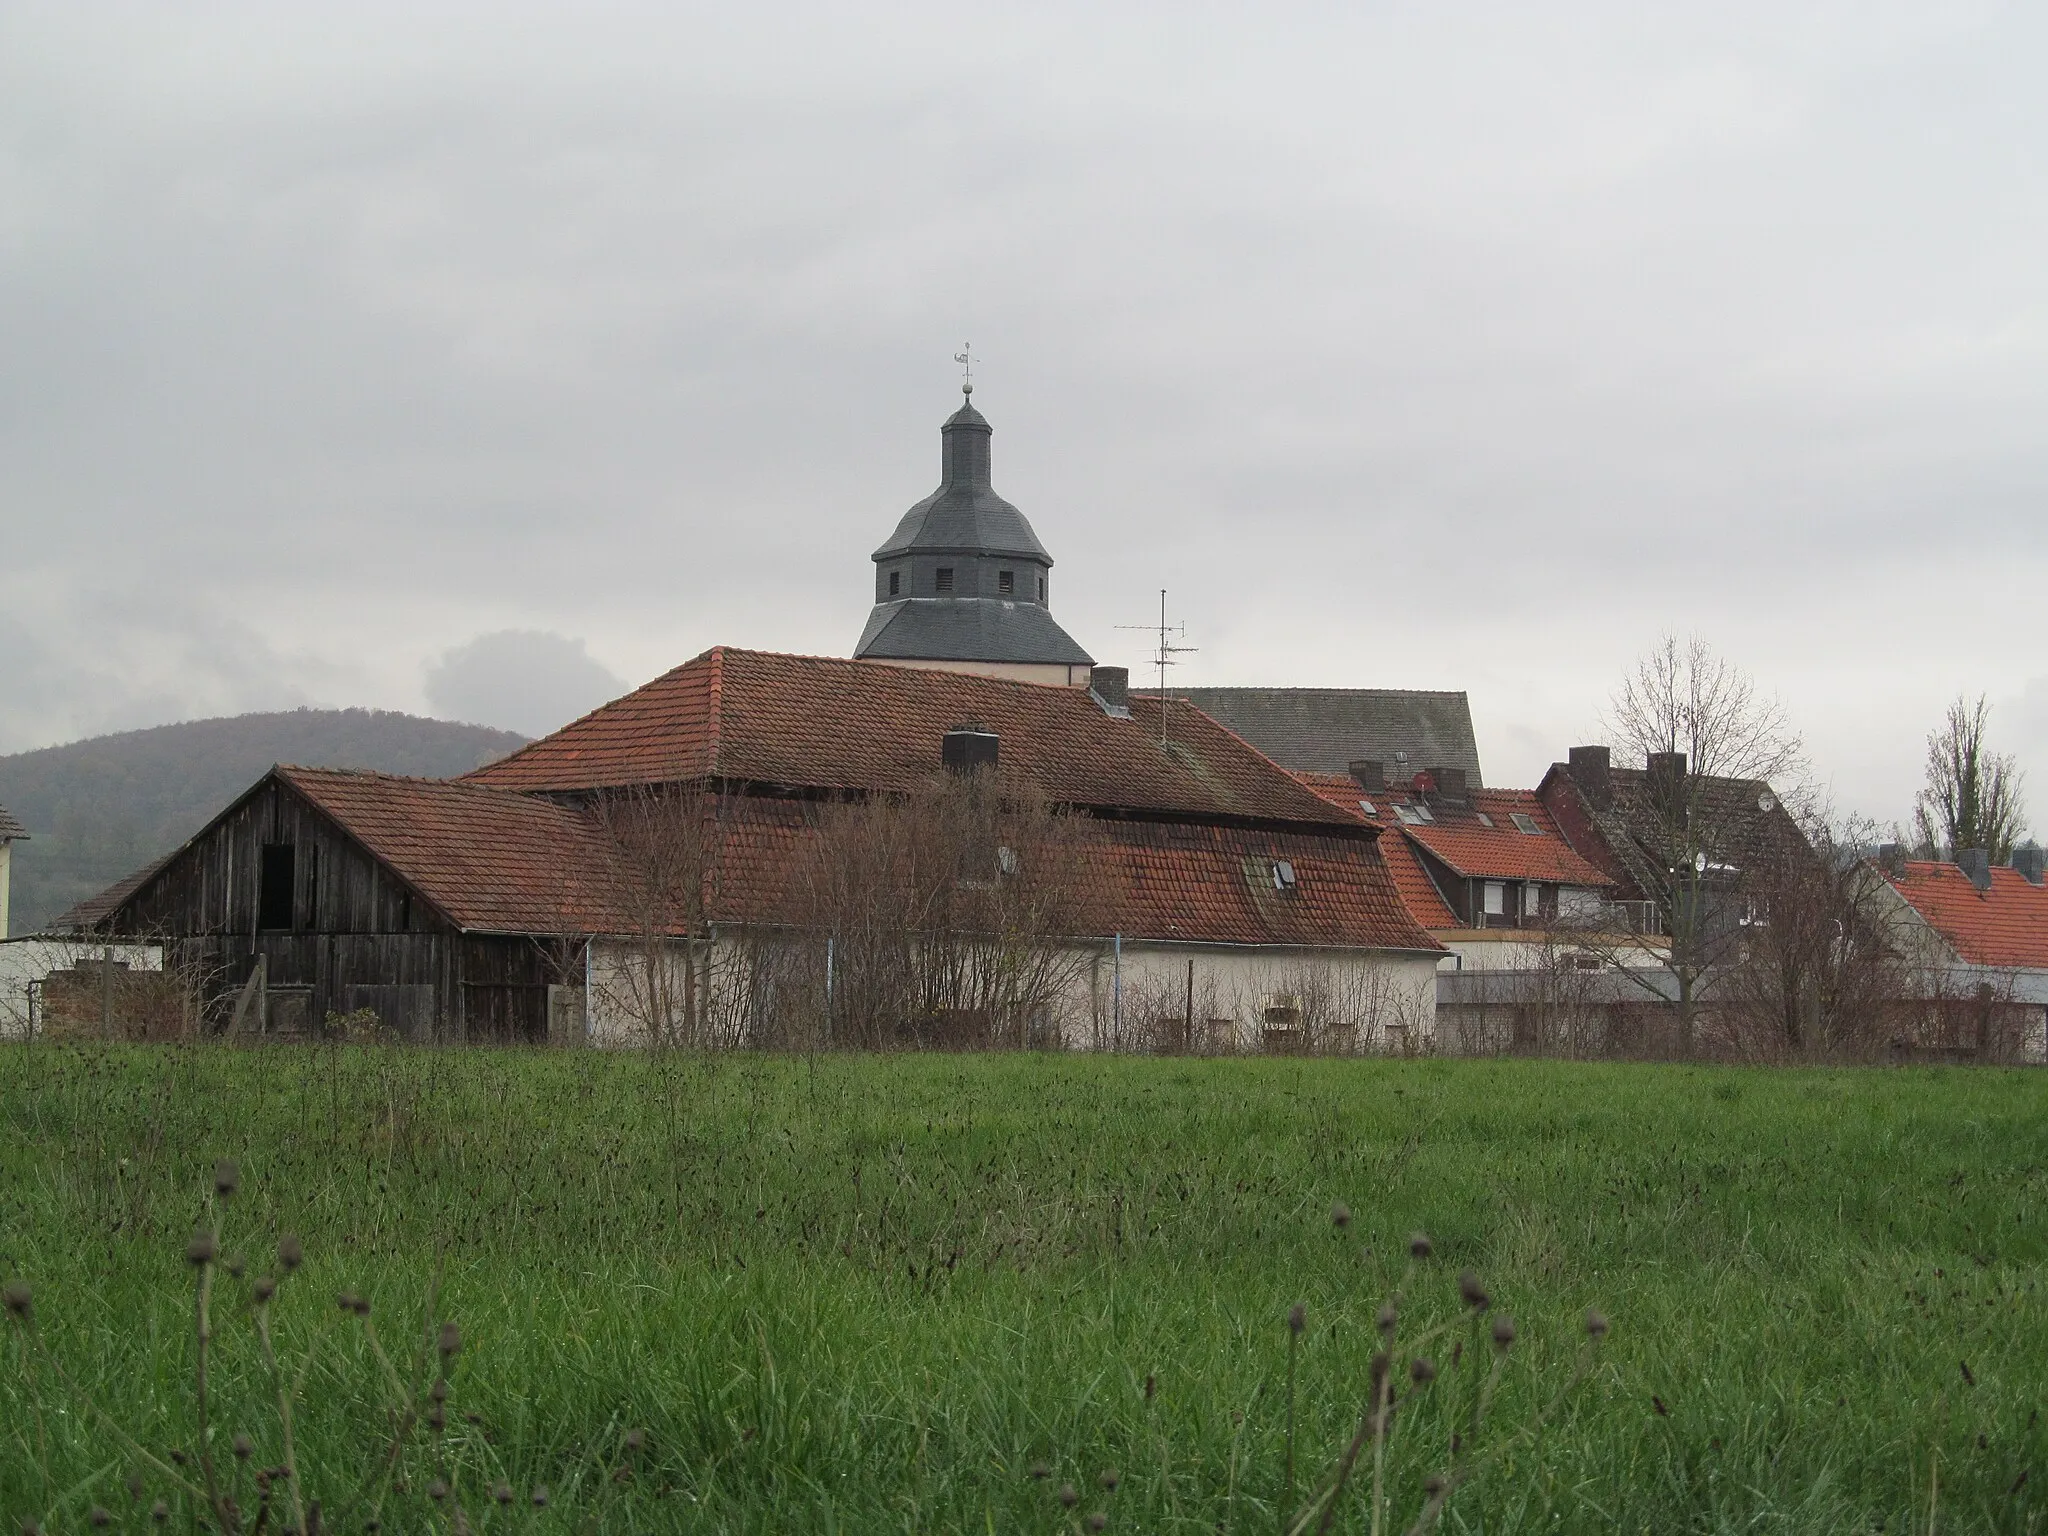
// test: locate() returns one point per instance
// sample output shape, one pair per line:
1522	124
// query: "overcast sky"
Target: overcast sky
346	359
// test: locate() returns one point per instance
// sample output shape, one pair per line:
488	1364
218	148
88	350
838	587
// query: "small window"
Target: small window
1006	582
1368	807
1283	875
1006	861
1496	898
1041	589
895	583
1532	899
1410	815
1524	822
944	580
1423	814
1484	819
274	886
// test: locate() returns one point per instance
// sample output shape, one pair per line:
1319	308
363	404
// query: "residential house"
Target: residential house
1976	937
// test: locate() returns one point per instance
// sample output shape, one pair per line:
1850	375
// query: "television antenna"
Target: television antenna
1163	656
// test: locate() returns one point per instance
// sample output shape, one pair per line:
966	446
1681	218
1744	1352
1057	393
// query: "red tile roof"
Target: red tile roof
822	723
1153	880
489	860
497	861
2005	927
10	829
1462	842
1425	903
1502	852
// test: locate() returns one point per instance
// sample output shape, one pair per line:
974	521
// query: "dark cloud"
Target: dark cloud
1469	346
521	680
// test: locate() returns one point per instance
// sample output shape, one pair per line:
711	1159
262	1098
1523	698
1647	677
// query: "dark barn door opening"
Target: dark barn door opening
274	890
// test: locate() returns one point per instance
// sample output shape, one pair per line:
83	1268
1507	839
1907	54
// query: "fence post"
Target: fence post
1116	1011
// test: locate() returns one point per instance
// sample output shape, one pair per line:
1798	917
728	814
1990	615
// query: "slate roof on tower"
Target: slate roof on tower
963	577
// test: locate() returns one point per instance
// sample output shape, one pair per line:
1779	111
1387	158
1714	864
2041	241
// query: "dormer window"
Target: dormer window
895	583
944	578
1524	822
1006	582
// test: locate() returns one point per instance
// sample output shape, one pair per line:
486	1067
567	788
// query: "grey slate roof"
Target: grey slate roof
965	515
1322	730
966	629
10	829
965	519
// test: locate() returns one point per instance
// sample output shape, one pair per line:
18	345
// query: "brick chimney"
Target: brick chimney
2027	859
1369	772
1591	769
1450	784
1112	689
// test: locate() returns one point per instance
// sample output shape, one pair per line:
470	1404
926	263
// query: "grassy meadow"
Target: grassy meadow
869	1293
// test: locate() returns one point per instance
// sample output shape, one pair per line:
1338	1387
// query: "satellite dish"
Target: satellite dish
1767	802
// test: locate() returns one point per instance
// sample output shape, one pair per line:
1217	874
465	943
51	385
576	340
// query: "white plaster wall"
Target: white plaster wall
1471	952
1387	997
1051	674
6	879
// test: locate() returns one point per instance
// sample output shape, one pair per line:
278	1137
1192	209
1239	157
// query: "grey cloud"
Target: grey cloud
521	680
1470	346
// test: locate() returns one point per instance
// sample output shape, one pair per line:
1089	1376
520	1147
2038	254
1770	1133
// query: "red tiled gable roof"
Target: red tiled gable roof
1152	880
1470	848
491	861
496	861
1425	903
822	723
10	829
2006	926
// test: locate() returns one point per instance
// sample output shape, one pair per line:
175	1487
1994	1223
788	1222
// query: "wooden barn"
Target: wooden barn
436	904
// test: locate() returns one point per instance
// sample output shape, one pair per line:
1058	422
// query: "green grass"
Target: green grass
863	1294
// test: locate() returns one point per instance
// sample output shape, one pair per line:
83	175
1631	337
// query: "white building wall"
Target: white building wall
6	879
1120	998
1512	949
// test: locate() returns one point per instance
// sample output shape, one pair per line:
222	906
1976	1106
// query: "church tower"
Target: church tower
962	585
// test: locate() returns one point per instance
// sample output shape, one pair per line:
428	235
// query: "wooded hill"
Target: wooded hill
101	808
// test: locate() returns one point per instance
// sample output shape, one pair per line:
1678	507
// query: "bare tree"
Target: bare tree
1973	795
1710	747
665	841
1821	969
952	915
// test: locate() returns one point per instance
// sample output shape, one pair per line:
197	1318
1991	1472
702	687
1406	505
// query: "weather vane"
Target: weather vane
965	358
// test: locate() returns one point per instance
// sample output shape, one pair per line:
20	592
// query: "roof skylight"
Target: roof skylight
1524	822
